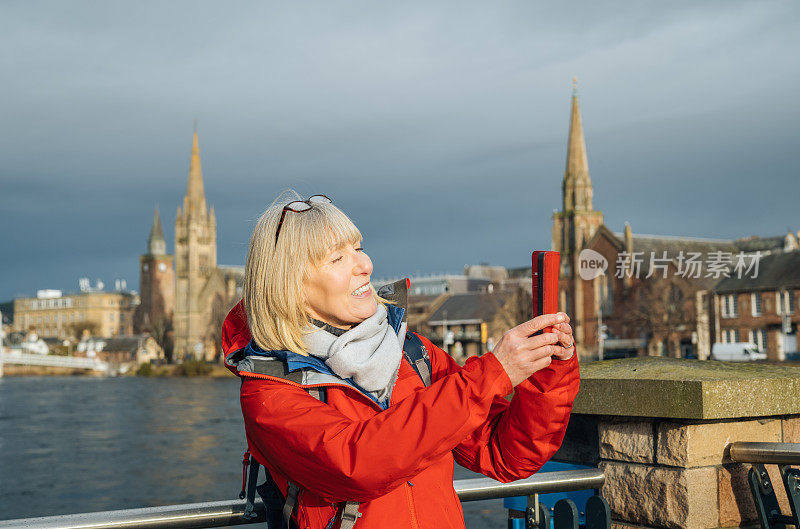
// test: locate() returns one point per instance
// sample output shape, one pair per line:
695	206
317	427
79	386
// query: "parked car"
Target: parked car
736	352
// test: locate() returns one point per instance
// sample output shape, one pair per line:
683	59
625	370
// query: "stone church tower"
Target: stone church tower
575	224
157	284
195	263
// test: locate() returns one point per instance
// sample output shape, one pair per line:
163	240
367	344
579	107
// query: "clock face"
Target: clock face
162	267
145	267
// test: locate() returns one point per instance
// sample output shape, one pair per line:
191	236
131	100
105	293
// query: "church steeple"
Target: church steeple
195	261
156	244
195	201
577	186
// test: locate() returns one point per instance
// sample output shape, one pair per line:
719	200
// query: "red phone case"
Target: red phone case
544	273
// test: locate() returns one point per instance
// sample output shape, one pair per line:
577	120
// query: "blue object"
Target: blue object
520	503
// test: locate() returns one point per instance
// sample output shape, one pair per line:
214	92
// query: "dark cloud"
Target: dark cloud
441	128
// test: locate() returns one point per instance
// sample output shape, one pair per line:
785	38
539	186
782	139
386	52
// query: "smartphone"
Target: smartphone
544	274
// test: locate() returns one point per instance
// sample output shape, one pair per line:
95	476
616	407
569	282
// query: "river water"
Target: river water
82	444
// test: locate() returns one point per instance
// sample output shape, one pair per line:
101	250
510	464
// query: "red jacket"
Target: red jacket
398	462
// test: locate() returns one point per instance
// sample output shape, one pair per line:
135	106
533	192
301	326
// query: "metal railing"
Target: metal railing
31	359
766	453
228	513
764	493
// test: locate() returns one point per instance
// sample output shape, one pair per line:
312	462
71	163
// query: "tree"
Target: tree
219	310
161	331
658	309
510	308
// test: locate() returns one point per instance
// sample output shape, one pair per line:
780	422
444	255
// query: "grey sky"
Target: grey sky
440	127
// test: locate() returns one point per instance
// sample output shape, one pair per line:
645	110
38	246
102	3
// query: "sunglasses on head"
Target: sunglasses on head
299	206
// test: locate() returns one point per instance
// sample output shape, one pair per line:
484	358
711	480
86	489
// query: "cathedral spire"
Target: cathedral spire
195	201
577	184
156	244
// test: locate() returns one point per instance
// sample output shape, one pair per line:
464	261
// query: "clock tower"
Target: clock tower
156	283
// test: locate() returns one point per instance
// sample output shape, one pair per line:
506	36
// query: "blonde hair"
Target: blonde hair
273	285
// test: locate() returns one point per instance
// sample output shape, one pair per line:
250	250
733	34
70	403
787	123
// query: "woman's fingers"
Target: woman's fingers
540	322
563	327
566	340
522	353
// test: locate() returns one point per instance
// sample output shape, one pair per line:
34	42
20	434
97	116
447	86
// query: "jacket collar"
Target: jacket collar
296	361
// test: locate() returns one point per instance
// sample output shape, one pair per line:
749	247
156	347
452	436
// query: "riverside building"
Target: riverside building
53	314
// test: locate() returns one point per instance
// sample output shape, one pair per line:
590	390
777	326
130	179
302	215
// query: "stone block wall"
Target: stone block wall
675	473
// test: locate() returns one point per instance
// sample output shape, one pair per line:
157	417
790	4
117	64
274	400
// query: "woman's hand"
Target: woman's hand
522	354
565	338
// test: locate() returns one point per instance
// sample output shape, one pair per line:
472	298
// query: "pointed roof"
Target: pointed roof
577	162
195	201
156	235
156	232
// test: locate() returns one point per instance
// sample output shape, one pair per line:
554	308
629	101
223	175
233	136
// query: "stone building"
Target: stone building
54	315
124	350
204	292
575	224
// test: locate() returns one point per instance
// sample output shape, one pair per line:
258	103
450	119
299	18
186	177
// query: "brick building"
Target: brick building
664	295
156	284
761	311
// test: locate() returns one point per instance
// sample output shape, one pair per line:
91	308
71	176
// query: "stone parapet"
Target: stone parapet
687	389
661	431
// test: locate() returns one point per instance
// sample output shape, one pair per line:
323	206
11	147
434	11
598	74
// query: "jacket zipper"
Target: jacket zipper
411	510
303	386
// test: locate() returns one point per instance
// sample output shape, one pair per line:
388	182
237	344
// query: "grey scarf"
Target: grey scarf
369	353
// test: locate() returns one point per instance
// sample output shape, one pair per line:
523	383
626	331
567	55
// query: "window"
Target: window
675	298
760	339
730	336
755	303
785	302
607	295
729	306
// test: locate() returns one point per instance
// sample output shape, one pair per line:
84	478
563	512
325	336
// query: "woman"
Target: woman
342	421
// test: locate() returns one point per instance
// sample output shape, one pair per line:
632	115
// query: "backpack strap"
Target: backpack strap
416	354
269	492
350	515
252	478
350	512
292	492
320	393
